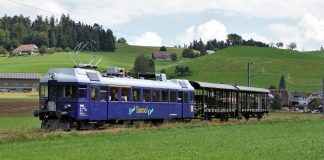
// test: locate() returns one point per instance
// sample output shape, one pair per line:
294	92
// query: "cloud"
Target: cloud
111	12
148	39
308	33
254	36
207	31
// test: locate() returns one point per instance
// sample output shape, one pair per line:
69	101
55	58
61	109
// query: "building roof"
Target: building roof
20	76
161	55
299	94
26	48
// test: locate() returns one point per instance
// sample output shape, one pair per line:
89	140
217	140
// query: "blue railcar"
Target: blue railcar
71	97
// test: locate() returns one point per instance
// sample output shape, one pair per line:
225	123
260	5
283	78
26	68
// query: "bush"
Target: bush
50	50
143	64
188	53
67	49
182	70
3	51
174	57
59	49
43	50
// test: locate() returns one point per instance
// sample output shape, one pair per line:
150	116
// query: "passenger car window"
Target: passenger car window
103	93
185	97
146	95
192	96
67	91
83	91
136	94
94	93
173	96
114	93
165	95
156	95
125	94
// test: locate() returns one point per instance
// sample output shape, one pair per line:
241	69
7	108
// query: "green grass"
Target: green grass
123	57
18	123
279	140
303	71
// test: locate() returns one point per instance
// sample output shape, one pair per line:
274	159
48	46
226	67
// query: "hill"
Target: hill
124	56
303	70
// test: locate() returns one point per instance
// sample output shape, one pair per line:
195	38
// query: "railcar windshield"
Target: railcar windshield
43	90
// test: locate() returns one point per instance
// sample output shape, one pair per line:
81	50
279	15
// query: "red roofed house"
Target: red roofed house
161	55
26	49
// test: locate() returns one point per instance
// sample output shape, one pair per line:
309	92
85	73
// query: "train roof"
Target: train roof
79	75
197	84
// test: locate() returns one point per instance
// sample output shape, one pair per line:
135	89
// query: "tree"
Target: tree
292	46
276	104
174	57
188	53
282	83
182	70
279	44
67	49
122	40
43	50
143	64
3	51
163	48
234	39
315	103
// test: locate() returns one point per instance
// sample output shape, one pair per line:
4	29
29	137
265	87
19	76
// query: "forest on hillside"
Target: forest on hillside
52	32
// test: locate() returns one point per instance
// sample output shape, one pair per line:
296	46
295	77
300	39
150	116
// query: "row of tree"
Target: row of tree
51	32
232	39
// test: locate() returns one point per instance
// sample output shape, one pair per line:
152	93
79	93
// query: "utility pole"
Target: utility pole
249	70
323	97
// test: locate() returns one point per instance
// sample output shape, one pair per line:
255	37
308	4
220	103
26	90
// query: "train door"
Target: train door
98	104
52	90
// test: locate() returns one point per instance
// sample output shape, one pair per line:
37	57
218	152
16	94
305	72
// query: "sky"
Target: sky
174	22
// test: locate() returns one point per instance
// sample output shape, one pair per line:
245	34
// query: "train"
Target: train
82	97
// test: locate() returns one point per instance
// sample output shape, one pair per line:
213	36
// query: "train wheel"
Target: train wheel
259	116
247	117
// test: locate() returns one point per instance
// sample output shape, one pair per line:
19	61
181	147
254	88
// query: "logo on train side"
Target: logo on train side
140	110
83	110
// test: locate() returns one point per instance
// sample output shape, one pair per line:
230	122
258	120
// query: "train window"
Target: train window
136	94
173	96
67	91
192	96
44	90
185	97
165	96
103	93
83	91
114	93
146	95
94	93
125	94
156	95
180	97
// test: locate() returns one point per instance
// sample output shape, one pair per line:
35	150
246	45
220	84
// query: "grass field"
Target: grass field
297	139
303	70
18	96
123	57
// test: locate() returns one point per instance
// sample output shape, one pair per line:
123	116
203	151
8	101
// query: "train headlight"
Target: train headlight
67	106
